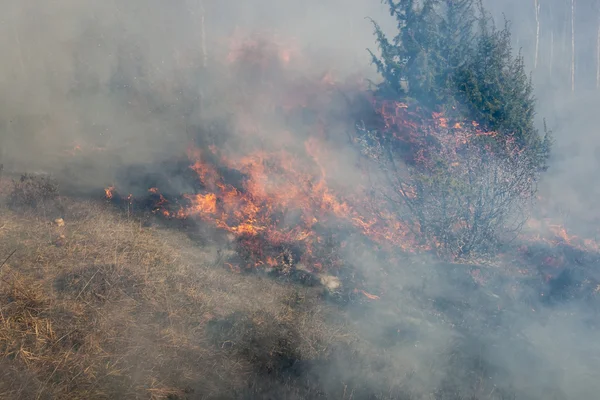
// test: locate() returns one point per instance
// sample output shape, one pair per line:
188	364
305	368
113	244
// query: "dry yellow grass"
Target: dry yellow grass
104	307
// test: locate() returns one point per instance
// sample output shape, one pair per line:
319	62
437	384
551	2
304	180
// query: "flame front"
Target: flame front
284	195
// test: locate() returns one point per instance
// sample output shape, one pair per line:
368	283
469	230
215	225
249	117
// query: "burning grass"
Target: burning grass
119	310
108	306
109	303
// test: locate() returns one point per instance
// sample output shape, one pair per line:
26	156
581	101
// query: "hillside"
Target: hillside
105	307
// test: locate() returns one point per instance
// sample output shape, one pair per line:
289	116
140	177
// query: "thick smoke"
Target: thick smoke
131	76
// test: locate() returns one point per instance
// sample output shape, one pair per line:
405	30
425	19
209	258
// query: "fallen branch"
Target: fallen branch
7	258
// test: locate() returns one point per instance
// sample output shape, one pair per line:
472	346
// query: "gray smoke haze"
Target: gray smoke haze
571	181
117	71
127	75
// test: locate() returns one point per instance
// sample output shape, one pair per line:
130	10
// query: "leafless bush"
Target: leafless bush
461	190
32	191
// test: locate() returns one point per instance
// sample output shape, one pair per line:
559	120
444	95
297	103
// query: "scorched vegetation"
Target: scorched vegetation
455	140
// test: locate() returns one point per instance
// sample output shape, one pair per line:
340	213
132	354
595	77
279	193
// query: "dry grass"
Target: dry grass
104	307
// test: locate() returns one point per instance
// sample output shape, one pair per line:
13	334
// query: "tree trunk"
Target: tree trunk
598	54
537	32
203	33
573	46
551	51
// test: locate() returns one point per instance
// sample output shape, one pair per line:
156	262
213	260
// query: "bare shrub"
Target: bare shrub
33	190
460	189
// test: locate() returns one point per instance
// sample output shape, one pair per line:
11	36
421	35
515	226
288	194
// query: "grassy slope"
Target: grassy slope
104	307
109	306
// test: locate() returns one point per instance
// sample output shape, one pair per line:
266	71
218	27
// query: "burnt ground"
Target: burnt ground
121	304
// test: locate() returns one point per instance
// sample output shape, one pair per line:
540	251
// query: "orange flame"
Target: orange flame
109	192
368	295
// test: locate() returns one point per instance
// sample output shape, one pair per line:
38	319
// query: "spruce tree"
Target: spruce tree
448	55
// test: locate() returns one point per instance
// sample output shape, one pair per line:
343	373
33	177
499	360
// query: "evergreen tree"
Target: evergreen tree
448	55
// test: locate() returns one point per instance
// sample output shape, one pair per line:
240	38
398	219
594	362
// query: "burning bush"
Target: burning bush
462	185
461	189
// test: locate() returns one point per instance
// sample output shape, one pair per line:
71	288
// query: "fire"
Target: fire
109	192
160	203
284	195
202	204
75	149
279	181
368	295
561	233
552	233
285	56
